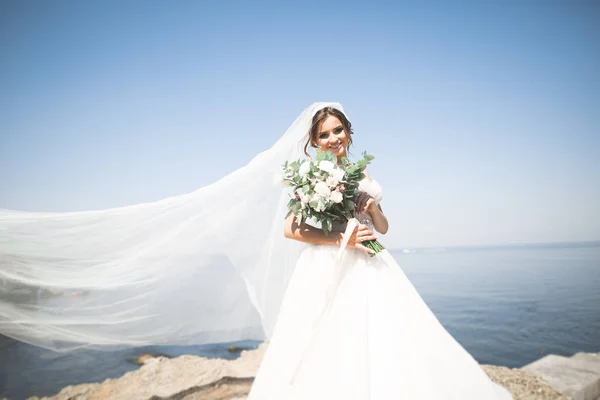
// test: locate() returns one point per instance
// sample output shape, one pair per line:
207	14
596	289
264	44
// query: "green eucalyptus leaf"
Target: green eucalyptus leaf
329	156
327	226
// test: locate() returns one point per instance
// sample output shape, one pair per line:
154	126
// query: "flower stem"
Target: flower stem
374	245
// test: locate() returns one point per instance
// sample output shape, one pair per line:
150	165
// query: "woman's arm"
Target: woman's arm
309	234
380	221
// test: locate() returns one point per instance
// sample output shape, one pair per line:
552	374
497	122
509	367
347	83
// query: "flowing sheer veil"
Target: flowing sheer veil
204	267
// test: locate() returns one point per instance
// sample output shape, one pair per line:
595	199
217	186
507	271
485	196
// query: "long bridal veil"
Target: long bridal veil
204	267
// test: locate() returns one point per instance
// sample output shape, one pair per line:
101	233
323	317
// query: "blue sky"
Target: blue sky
483	116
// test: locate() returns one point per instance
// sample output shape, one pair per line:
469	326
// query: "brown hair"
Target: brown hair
316	125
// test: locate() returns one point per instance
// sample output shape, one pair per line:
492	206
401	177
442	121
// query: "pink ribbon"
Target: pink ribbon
331	289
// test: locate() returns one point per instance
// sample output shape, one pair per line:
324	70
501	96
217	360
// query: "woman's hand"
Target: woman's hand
360	234
364	202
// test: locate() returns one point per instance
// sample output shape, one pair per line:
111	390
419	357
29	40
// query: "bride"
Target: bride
214	266
378	339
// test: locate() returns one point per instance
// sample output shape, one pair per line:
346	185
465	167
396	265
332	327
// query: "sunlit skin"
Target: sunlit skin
331	136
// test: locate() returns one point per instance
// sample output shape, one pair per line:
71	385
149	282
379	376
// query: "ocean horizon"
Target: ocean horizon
492	246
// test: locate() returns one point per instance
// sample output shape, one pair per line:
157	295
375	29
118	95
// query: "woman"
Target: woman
364	333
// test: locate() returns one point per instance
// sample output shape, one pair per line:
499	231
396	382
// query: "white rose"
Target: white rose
304	168
326	166
332	182
338	174
337	197
322	189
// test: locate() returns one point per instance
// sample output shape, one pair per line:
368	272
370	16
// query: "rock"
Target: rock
198	378
235	349
523	385
142	358
76	392
182	378
225	388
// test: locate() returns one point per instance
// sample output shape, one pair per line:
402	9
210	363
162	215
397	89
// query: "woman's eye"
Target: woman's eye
323	136
339	130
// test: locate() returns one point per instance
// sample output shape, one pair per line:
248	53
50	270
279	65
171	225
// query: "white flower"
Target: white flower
304	198
338	174
326	166
336	197
322	189
318	203
332	182
304	168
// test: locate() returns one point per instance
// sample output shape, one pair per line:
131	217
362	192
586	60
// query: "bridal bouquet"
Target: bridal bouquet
324	191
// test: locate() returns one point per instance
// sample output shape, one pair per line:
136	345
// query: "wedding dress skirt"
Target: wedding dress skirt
378	341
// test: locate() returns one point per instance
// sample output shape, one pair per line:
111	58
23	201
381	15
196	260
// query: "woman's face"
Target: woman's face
332	136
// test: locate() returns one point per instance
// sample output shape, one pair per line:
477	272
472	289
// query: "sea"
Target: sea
507	305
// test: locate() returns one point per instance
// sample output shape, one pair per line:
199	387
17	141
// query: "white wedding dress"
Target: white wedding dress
378	340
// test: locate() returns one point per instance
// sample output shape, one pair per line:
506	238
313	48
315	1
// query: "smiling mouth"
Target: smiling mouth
337	146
